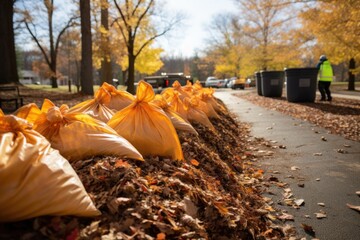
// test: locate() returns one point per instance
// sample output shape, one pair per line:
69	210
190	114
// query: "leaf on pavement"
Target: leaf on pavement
356	208
320	215
308	229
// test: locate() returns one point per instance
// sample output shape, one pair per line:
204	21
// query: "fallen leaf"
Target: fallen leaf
122	164
221	207
356	208
161	236
194	162
299	202
340	150
320	215
317	154
190	208
286	216
308	229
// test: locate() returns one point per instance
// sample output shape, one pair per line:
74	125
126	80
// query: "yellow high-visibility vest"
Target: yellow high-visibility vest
326	72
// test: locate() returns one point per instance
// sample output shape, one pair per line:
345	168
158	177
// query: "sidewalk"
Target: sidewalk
329	177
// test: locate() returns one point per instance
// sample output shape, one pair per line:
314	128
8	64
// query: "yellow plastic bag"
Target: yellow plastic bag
177	86
30	112
176	104
119	99
197	86
195	114
207	96
77	135
97	107
146	126
35	179
178	122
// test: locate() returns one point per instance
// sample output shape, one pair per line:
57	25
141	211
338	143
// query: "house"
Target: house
29	77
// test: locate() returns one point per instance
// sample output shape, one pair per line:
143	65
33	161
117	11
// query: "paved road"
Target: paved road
332	178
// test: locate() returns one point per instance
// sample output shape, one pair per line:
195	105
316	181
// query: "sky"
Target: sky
192	34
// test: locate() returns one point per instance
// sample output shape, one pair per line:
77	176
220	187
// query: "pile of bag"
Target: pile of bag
37	143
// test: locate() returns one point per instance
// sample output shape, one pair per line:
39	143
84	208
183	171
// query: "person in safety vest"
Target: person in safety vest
325	77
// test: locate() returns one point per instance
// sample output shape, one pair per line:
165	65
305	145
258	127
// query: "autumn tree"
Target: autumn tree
264	22
52	33
8	67
341	42
132	15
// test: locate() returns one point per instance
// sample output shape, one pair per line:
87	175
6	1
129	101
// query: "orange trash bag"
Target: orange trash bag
207	96
176	104
146	126
35	180
178	122
177	86
197	86
30	112
77	135
119	99
97	107
196	114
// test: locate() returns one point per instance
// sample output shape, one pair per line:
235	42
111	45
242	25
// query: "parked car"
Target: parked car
235	83
214	82
159	83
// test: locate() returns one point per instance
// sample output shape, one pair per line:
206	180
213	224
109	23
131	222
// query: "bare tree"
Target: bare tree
86	76
133	14
50	52
8	68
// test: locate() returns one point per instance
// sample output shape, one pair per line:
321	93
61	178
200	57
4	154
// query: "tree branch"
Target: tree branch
37	42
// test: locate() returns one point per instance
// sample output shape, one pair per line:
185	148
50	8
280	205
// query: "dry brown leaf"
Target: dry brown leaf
317	154
356	208
308	229
121	163
320	215
221	207
286	216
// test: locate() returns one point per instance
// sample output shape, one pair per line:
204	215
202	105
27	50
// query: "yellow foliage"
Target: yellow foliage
341	42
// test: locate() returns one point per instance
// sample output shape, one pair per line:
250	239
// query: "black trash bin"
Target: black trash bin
272	83
258	83
301	84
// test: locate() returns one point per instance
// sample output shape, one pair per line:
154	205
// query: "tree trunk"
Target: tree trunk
131	67
351	85
106	69
53	78
8	67
131	74
86	76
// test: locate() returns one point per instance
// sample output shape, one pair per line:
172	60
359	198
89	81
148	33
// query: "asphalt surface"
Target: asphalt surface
329	170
